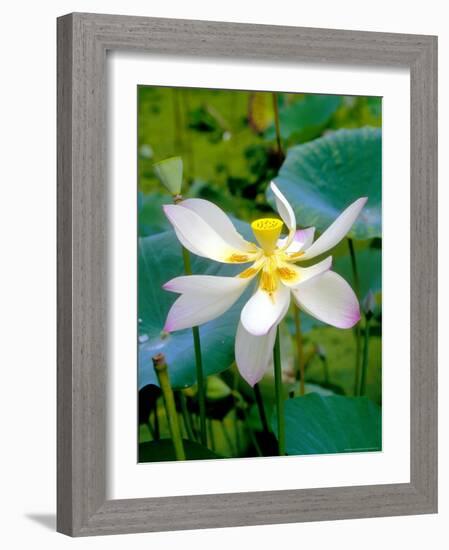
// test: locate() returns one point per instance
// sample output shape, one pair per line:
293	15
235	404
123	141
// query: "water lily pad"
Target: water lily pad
160	260
317	424
321	178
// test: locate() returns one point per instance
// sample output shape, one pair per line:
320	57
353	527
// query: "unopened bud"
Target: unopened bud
169	171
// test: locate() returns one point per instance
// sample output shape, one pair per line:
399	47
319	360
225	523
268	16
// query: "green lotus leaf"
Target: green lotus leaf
305	119
150	214
321	178
317	424
369	267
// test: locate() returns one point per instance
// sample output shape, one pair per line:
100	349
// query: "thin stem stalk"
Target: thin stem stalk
299	349
250	432
279	394
325	369
150	429
277	124
211	433
357	330
365	357
237	431
157	434
227	437
198	362
261	408
186	416
160	366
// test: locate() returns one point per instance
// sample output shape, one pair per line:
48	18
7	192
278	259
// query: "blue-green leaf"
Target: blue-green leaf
317	424
305	119
150	214
369	266
321	178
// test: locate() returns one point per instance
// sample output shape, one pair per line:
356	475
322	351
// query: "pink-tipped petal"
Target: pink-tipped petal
203	298
253	353
303	239
336	231
329	298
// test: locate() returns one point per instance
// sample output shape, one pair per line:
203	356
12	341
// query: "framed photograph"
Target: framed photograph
247	280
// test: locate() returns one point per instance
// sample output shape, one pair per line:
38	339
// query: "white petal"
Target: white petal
205	284
264	310
303	239
253	353
293	276
284	208
187	244
330	299
336	231
204	298
221	223
201	239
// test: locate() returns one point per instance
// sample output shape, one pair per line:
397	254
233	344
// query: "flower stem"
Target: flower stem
160	366
235	395
227	437
261	408
186	416
299	348
357	331
177	119
237	431
250	432
279	394
198	361
187	262
211	433
277	125
201	384
325	369
150	429
365	357
157	434
188	142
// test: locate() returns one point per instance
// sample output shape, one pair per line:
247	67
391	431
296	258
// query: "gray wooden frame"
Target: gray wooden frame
83	40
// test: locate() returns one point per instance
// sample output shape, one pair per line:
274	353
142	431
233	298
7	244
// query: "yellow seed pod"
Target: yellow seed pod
267	232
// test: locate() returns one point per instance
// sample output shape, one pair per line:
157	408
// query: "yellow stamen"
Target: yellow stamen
267	231
247	273
287	273
268	281
238	258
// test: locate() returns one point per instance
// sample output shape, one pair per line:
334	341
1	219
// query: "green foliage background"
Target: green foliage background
227	141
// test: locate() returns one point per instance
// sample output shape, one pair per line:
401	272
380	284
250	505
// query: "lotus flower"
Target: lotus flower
207	231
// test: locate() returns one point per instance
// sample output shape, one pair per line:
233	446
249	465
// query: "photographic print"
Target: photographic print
259	274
